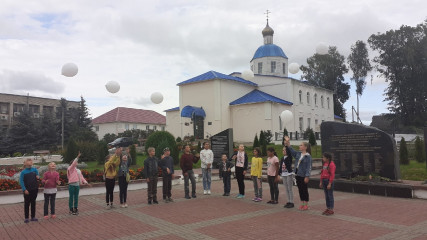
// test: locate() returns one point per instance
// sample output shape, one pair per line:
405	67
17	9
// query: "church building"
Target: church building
213	101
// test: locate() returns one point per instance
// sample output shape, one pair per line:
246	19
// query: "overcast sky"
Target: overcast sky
150	46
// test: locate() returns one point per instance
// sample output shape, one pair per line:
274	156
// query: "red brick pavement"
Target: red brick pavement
217	217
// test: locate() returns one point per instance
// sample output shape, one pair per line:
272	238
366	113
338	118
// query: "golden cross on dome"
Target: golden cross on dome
266	13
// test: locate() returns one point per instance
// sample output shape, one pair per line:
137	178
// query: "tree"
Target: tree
83	119
311	137
327	71
109	137
48	134
268	136
70	152
263	143
420	154
82	129
256	141
403	152
132	152
401	60
360	66
67	121
24	134
157	137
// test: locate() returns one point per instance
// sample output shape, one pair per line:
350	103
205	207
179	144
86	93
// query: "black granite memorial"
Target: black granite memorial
222	143
360	150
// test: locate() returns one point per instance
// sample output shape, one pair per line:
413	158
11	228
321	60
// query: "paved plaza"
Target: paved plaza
217	217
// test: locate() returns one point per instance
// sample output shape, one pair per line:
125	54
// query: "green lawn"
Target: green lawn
414	171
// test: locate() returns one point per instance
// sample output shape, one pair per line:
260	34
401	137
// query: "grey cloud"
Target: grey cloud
29	81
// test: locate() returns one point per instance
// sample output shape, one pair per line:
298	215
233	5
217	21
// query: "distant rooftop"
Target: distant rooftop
130	115
257	96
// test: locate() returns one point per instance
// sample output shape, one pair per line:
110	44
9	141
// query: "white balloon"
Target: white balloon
286	117
294	68
69	70
112	86
322	48
247	75
156	97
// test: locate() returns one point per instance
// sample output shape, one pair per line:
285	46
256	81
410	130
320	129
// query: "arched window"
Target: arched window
300	96
308	98
315	99
322	102
327	101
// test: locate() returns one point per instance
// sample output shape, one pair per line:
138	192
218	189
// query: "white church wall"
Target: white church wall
173	123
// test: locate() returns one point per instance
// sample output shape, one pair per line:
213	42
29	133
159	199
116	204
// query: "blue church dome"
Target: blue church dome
269	50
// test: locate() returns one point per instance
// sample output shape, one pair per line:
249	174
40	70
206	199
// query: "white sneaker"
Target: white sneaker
209	192
205	192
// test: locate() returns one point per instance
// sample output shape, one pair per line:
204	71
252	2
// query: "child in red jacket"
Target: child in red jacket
50	181
327	182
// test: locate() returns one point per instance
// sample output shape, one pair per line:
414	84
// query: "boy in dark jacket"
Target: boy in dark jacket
30	188
151	173
186	163
225	172
166	163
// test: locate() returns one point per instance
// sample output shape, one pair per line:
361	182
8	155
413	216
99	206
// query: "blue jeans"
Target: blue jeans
206	173
329	193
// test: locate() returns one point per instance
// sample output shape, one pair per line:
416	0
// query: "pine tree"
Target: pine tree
312	138
256	141
263	143
403	152
420	154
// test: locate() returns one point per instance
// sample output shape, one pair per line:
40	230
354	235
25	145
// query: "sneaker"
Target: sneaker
225	194
122	205
111	206
240	196
257	200
205	192
301	207
305	208
275	202
155	202
26	220
76	211
126	205
270	202
324	212
209	192
108	207
187	197
254	199
53	216
34	220
149	202
194	196
170	199
289	205
71	211
46	217
329	212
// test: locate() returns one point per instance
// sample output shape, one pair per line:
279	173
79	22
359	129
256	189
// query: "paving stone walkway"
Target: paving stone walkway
217	217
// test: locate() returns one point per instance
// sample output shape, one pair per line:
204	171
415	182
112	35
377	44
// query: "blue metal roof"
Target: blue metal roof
257	96
190	111
269	50
172	109
337	117
211	75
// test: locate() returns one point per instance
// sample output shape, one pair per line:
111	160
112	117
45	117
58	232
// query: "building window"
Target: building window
154	128
327	101
300	96
260	68
4	108
273	66
97	128
321	102
163	128
308	98
135	126
315	99
284	68
308	122
209	123
316	122
147	127
127	126
301	124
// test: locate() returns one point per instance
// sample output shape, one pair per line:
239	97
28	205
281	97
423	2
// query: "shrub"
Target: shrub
312	138
6	184
157	137
268	136
102	151
17	154
420	154
403	152
89	151
178	139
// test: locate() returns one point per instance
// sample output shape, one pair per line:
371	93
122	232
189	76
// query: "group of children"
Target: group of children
281	169
275	170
